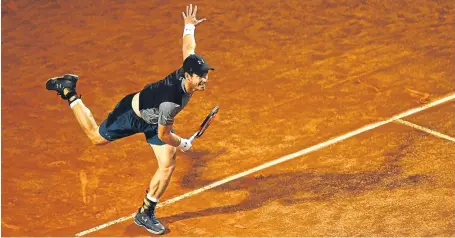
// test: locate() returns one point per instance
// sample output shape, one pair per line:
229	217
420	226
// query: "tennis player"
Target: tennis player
150	111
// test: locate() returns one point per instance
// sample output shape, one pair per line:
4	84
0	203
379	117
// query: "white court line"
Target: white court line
435	133
281	160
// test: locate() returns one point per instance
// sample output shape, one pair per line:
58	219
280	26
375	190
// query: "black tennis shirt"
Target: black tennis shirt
161	101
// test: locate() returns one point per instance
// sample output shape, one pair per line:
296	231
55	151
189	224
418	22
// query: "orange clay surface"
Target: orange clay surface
289	75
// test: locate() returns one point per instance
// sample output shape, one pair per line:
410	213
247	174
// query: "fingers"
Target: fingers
190	11
195	10
199	21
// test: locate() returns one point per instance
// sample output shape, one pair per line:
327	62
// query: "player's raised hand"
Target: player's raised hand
190	16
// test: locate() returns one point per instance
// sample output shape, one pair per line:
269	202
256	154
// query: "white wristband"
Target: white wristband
188	30
185	144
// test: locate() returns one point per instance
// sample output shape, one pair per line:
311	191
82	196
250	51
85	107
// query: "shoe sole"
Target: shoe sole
151	231
50	82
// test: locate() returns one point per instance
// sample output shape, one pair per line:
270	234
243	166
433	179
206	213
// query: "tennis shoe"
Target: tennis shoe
149	222
58	84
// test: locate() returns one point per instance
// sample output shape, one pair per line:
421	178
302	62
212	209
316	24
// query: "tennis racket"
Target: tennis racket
205	124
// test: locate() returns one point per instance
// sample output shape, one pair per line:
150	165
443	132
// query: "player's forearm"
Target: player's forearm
171	139
189	41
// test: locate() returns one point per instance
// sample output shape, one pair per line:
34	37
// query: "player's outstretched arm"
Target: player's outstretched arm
167	112
166	136
190	21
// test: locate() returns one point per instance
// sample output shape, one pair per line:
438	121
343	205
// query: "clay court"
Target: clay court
290	75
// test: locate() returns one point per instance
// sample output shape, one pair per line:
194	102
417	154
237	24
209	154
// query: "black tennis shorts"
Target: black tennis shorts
123	122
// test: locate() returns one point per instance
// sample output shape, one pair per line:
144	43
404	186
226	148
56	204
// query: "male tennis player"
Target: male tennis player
150	111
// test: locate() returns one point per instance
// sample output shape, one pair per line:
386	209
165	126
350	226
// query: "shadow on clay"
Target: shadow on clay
301	187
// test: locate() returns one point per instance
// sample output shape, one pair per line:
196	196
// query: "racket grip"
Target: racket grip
193	137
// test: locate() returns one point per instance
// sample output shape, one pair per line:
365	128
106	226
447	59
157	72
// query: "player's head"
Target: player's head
196	71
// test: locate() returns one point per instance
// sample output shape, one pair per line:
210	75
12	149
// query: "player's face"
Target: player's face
199	82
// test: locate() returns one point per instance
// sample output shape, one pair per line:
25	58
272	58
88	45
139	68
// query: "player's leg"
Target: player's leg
165	155
87	122
65	86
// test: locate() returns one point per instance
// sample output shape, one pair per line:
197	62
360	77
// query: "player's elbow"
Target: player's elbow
165	132
164	137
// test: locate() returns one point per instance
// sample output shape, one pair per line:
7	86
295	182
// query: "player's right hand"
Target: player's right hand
185	144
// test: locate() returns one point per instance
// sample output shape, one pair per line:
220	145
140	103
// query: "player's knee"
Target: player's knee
99	142
168	168
96	138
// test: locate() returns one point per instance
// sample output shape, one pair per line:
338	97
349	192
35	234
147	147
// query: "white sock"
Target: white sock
75	102
152	198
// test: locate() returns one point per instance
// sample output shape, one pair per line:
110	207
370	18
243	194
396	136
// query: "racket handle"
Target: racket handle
193	137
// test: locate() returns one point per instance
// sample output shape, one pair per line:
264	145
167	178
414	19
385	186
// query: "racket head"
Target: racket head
206	123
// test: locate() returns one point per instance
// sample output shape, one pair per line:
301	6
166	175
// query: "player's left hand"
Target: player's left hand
190	16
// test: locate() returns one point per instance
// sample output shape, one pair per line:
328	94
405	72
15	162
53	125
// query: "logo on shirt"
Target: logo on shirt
150	115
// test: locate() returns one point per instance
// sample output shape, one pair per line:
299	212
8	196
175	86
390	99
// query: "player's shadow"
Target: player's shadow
198	164
300	187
